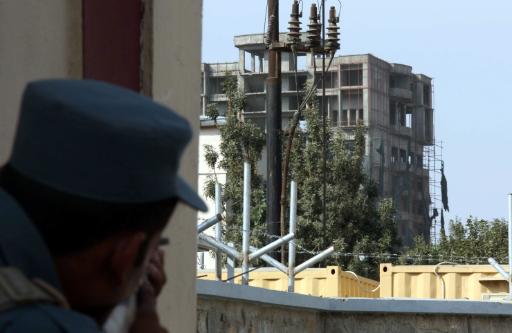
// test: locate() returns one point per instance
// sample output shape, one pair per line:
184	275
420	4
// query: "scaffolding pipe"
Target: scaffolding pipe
220	246
271	261
498	268
316	259
231	266
209	223
201	243
267	248
510	245
246	231
291	244
218	230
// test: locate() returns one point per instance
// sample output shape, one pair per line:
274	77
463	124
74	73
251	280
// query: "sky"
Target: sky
465	45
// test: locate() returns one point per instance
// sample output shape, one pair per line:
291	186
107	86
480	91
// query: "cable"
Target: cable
246	272
314	87
265	22
443	286
294	51
360	283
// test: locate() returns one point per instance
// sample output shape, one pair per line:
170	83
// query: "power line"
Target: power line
383	256
246	272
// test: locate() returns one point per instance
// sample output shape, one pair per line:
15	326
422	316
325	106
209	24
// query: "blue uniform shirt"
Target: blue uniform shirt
22	247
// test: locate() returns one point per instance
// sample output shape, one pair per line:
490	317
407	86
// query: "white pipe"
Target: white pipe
218	230
219	246
498	268
269	247
209	223
231	266
291	244
201	260
272	262
203	244
316	259
510	245
246	229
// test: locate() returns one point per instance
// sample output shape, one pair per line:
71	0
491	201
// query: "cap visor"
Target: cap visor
189	196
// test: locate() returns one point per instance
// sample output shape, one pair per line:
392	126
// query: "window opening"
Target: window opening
394	155
352	75
403	156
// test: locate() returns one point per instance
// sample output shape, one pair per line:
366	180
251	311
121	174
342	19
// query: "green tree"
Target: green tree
240	141
356	220
471	242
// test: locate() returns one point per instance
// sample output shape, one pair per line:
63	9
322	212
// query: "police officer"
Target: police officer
90	185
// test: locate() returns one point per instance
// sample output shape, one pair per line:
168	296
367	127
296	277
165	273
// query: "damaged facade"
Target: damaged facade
394	104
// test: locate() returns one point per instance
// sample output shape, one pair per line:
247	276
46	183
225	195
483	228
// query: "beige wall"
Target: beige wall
42	39
38	39
172	75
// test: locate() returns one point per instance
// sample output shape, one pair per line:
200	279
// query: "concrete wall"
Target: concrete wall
43	39
172	75
235	317
230	308
38	39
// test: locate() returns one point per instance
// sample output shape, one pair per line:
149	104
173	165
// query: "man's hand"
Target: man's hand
146	319
156	273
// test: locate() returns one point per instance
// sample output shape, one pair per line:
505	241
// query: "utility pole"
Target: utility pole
324	135
315	43
273	124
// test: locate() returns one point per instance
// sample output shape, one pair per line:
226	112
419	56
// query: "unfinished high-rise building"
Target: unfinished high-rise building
392	102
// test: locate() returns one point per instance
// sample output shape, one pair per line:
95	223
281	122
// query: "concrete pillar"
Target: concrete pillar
51	46
285	62
206	77
340	95
265	62
328	102
241	61
172	67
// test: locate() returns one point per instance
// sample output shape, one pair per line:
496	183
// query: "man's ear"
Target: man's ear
125	255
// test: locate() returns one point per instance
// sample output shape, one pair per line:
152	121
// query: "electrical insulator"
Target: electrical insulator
314	28
333	34
294	25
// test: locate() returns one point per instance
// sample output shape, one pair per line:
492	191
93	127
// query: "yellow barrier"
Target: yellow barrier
325	282
474	282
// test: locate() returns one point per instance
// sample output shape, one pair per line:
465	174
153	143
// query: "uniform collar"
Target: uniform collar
21	246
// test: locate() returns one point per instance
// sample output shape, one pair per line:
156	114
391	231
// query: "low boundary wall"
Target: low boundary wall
229	308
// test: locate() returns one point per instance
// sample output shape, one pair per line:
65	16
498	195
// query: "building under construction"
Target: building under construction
395	104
